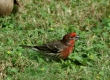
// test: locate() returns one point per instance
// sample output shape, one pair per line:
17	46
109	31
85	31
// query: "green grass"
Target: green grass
40	21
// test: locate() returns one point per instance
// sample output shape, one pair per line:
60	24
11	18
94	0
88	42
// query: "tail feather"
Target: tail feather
30	47
25	46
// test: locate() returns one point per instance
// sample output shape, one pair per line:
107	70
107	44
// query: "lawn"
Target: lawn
41	21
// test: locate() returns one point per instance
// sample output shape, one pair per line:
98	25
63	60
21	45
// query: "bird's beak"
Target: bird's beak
77	37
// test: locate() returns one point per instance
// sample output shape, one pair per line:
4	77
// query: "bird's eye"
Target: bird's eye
72	37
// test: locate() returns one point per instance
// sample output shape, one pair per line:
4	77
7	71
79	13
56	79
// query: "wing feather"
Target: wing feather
52	47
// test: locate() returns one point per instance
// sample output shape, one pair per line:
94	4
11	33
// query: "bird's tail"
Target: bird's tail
25	46
30	47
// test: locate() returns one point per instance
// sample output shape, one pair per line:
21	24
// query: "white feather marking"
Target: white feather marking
48	46
35	49
52	54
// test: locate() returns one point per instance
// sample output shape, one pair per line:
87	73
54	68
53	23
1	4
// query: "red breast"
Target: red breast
66	52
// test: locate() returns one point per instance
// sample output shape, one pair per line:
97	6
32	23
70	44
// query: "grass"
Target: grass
40	21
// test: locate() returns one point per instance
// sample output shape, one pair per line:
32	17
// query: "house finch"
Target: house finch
60	49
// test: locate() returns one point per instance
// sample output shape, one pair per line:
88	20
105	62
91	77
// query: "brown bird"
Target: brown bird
60	49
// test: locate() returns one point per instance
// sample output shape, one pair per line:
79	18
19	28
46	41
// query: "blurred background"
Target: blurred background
34	22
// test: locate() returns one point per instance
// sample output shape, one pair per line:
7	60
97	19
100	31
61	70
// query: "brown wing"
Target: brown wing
52	47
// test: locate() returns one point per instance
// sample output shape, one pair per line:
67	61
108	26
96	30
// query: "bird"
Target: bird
59	49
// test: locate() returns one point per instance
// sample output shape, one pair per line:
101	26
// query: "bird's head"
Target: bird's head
69	39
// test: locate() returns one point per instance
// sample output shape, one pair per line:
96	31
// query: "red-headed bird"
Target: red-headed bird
60	49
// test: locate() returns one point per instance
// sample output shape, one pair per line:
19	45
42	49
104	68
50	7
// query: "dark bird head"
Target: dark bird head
70	38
